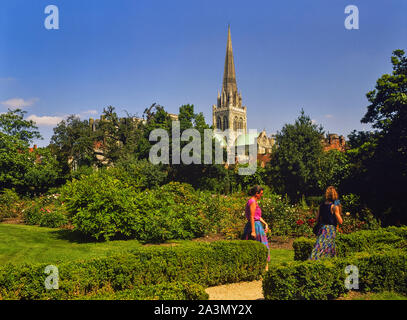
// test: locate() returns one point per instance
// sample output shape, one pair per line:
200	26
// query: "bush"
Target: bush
302	248
207	264
144	174
162	291
46	211
53	219
286	219
325	279
102	205
365	240
32	214
9	201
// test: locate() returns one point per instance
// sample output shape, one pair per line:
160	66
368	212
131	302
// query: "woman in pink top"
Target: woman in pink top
254	229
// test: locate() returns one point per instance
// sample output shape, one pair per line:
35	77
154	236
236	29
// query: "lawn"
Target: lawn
31	244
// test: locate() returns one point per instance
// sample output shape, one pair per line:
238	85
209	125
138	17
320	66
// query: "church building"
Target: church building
230	113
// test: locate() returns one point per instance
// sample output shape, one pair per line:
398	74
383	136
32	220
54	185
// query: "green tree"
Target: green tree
14	162
334	169
43	173
13	124
73	140
295	163
387	166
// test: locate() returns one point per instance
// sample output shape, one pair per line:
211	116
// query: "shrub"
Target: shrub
53	219
45	211
144	174
286	219
207	264
325	279
32	214
302	248
102	206
365	240
162	291
9	201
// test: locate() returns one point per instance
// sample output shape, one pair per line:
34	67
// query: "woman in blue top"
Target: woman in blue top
329	215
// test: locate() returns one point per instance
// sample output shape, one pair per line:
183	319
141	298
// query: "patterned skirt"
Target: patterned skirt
260	235
325	245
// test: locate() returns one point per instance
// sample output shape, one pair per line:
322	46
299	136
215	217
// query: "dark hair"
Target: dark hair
254	190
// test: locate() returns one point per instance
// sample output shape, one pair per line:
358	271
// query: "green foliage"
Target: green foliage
325	279
162	291
8	197
44	172
9	204
102	206
380	159
284	218
14	162
302	248
53	219
45	211
206	264
346	244
334	168
26	172
295	166
12	123
144	174
81	171
32	214
73	142
351	203
105	204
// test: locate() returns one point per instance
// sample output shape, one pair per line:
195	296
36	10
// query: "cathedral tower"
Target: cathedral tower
229	113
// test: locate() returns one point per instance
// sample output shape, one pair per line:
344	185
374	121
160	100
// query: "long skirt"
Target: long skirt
325	245
260	235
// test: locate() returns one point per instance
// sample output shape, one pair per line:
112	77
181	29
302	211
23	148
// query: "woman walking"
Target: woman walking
253	229
328	216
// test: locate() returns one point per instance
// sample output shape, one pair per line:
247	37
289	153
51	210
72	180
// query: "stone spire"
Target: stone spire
229	75
229	113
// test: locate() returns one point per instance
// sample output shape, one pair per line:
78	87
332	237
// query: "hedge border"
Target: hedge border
206	264
325	279
346	244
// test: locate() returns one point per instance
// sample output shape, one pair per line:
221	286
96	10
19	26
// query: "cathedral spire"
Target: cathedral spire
229	75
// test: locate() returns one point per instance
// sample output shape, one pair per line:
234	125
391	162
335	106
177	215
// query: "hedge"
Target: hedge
366	240
162	291
207	264
325	279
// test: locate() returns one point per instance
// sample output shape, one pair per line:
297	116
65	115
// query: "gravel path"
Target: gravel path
237	291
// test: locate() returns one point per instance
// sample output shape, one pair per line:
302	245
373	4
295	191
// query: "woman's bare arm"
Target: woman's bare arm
265	223
338	214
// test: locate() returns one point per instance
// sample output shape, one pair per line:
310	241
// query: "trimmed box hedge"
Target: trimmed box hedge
365	240
207	264
162	291
325	279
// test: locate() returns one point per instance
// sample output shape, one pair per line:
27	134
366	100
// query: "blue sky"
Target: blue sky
288	55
